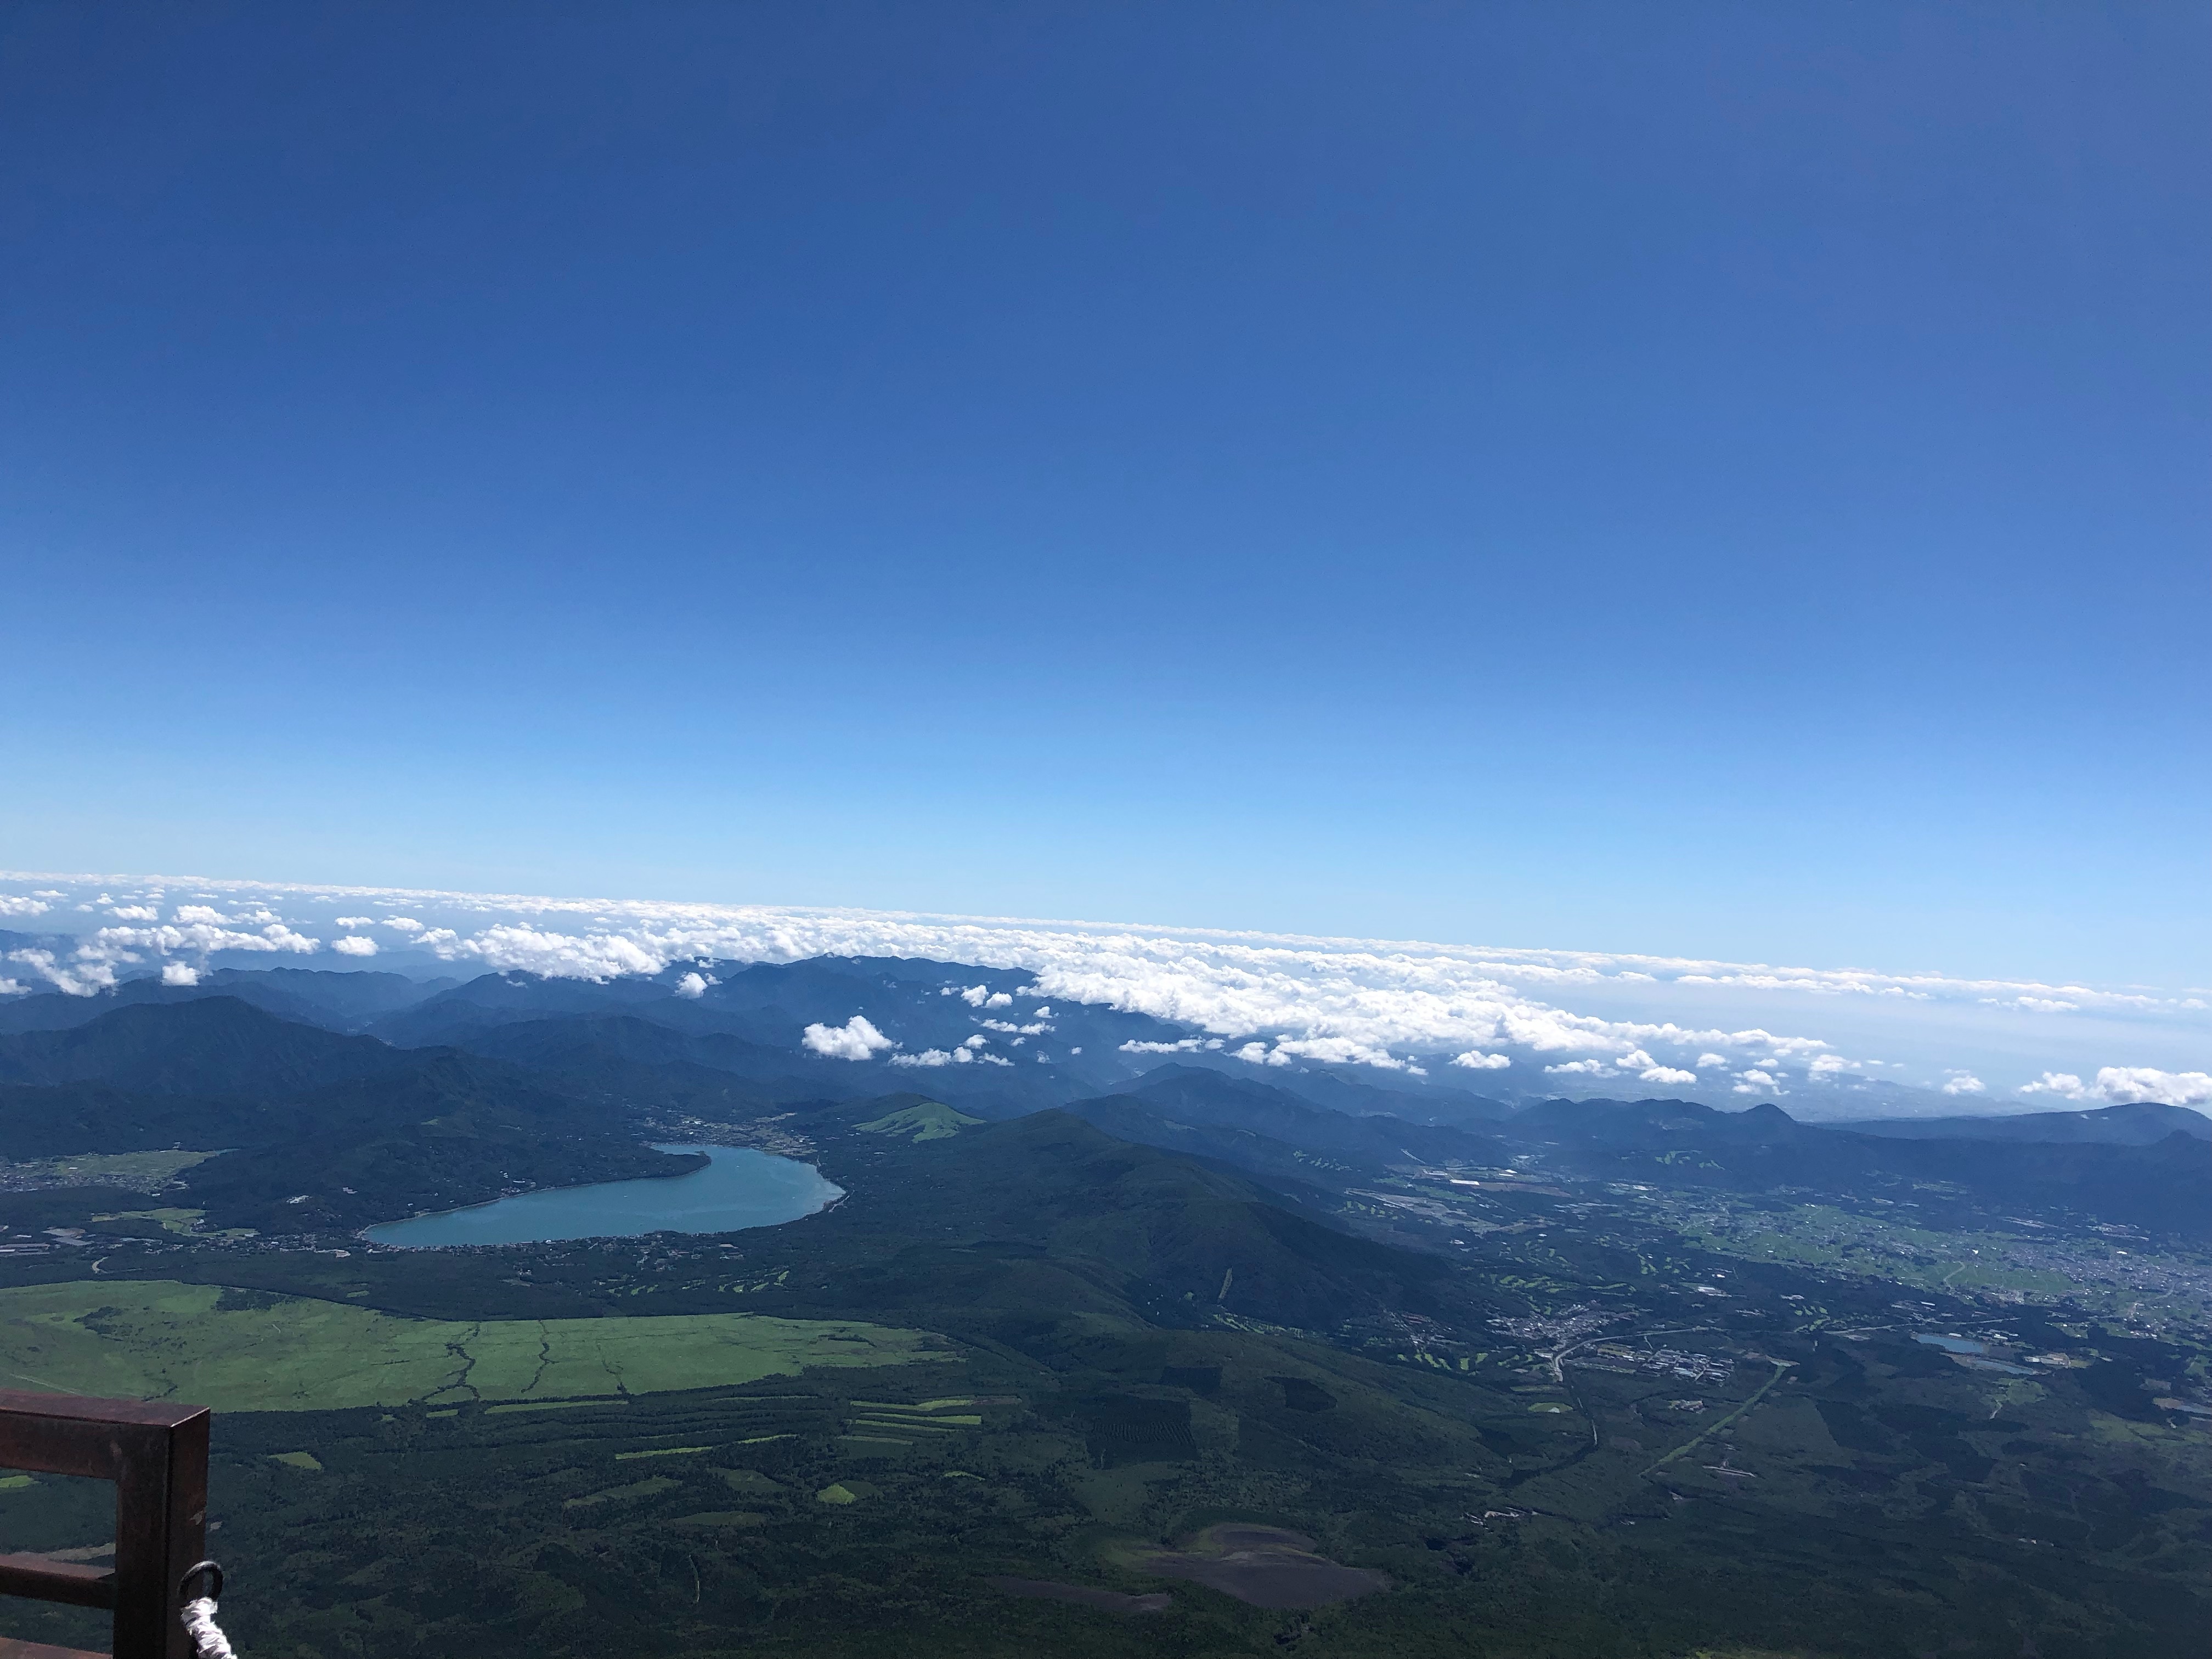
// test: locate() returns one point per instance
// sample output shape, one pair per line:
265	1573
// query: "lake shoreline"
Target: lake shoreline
736	1189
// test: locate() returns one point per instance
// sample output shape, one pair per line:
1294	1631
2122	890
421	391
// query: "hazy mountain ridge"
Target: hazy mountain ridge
640	1047
2135	1124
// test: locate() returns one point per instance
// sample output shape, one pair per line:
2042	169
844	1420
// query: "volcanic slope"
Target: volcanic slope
931	1223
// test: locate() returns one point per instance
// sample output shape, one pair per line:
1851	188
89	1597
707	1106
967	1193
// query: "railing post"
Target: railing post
161	1527
157	1456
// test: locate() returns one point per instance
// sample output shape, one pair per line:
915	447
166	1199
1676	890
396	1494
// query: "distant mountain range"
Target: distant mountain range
2138	1124
442	1093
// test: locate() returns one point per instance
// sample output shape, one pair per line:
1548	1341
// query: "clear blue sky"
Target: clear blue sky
1716	479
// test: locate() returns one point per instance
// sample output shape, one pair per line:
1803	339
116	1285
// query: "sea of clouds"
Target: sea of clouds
1829	1042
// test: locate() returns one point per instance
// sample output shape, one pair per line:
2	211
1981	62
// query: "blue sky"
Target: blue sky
1713	481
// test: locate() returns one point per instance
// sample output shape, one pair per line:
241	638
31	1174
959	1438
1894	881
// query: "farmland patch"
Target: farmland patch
161	1340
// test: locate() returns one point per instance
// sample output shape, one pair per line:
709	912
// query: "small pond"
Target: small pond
1972	1354
739	1188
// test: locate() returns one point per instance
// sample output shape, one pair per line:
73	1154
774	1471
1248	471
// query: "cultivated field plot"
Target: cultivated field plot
253	1351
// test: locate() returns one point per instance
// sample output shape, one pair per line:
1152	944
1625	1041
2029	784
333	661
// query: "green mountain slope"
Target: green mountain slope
209	1046
925	1120
1142	1228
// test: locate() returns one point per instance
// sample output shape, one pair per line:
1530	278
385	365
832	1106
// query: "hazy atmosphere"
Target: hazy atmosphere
1324	830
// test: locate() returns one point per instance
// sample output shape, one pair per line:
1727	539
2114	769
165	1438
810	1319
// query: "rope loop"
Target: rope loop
199	1612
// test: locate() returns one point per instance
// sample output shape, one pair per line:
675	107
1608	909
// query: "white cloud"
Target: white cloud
2122	1083
82	981
189	915
179	974
1008	1029
963	1055
1040	1013
1475	1060
974	1042
354	945
1963	1083
1187	1045
134	912
1758	1080
1333	1051
12	904
403	924
856	1039
555	956
2118	1084
1666	1074
1779	1047
693	984
110	946
1705	1060
13	988
354	921
1583	1068
983	996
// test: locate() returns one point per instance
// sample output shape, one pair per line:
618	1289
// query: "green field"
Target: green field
161	1340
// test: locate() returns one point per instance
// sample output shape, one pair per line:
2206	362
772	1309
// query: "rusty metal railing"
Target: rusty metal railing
157	1456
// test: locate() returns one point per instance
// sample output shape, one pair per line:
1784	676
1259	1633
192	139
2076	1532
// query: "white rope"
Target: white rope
207	1640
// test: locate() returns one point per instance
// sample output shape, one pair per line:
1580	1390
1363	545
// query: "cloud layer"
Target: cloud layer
1505	1017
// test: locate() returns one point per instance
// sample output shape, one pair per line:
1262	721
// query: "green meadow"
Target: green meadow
258	1352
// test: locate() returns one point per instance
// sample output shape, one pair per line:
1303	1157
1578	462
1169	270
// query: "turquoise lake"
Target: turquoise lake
739	1188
